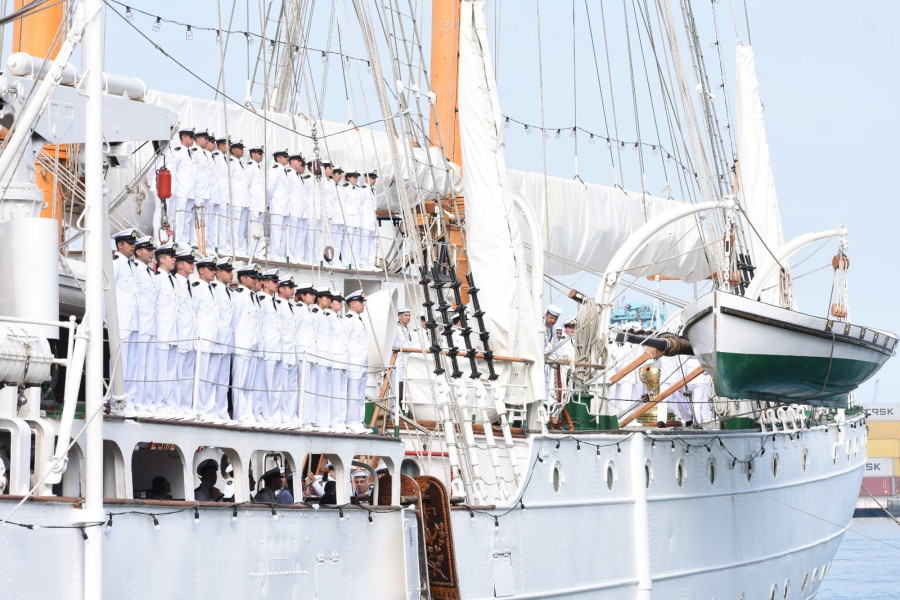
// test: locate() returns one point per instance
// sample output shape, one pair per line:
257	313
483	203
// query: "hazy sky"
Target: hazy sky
829	76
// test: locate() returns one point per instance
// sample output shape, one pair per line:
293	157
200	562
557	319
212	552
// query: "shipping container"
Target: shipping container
884	430
883	412
877	486
880	467
883	449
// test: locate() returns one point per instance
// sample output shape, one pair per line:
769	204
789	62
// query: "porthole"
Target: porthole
711	471
648	473
804	459
775	464
680	473
805	580
610	475
558	478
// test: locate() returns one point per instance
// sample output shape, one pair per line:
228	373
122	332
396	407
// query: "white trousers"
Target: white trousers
241	374
209	376
220	409
346	249
290	393
322	413
338	233
166	374
306	398
356	405
367	246
221	228
339	398
187	363
267	396
129	359
210	220
356	255
240	216
276	237
145	385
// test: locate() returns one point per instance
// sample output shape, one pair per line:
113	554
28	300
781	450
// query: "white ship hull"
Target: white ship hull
777	527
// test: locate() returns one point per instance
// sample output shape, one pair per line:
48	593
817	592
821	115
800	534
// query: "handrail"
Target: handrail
509	359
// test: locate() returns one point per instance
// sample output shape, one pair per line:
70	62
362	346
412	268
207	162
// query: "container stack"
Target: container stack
882	475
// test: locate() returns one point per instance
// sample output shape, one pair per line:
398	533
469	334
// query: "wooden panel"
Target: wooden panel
438	539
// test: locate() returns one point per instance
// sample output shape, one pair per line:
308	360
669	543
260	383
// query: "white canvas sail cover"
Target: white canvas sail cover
756	183
586	223
495	251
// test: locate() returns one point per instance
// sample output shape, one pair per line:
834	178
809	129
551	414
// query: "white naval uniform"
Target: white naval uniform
550	387
267	403
298	219
166	345
220	223
700	389
187	345
256	185
351	253
245	324
212	213
402	339
322	414
336	220
279	195
206	310
203	173
290	370
223	347
307	363
240	204
127	311
357	370
338	353
145	388
368	225
181	204
320	235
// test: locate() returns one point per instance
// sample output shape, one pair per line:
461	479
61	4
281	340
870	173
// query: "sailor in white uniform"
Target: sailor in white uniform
206	310
210	209
267	403
320	193
125	280
699	391
307	361
145	386
298	228
224	335
181	204
566	351
240	197
290	379
403	338
323	401
368	221
166	333
278	192
185	258
335	214
551	316
245	324
204	172
335	317
220	222
351	201
256	183
358	359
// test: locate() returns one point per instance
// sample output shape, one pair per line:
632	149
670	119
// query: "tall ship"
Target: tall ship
295	335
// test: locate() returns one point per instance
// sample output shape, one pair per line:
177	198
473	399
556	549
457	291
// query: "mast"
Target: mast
40	34
445	24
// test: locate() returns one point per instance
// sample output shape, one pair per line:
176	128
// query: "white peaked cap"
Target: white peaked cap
554	310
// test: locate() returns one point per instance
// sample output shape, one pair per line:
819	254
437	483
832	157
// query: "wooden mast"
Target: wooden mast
445	24
40	34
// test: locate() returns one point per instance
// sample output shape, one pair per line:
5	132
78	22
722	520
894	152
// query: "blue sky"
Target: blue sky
829	76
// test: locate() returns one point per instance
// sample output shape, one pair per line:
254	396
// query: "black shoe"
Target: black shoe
689	423
661	425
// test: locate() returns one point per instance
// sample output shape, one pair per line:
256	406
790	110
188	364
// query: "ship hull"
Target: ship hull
757	351
584	523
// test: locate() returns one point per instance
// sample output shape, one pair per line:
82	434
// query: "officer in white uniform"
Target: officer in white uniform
166	333
290	379
245	324
187	331
351	201
320	191
566	352
209	211
256	183
698	393
358	359
368	221
307	349
338	348
145	386
125	279
402	339
206	310
551	316
298	228
267	404
322	419
224	335
220	223
278	192
240	196
335	214
181	204
204	172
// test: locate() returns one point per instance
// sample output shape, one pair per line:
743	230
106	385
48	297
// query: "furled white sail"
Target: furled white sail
586	223
756	183
496	255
